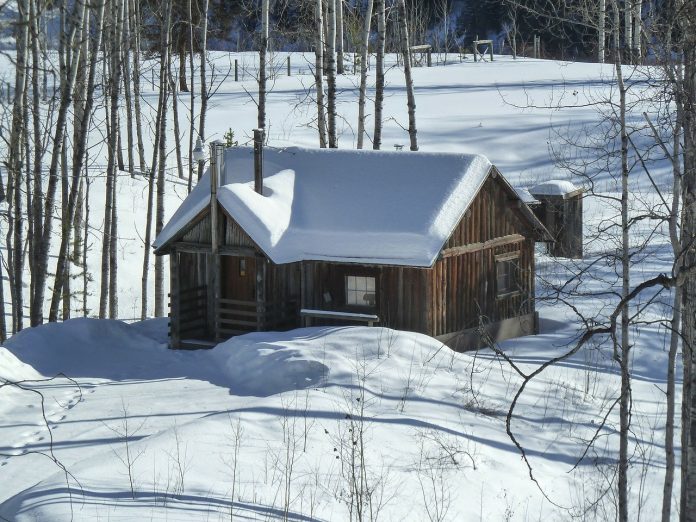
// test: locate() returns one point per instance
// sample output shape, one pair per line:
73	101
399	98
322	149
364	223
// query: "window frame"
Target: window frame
355	291
511	260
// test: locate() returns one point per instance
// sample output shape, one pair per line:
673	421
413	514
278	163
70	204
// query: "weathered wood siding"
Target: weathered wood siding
462	285
463	289
400	292
494	213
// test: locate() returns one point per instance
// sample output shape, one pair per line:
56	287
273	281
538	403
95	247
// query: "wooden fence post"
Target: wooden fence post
289	65
236	70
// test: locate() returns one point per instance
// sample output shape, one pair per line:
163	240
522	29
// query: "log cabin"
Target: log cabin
437	243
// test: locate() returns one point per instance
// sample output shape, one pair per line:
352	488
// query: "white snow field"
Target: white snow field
267	426
433	421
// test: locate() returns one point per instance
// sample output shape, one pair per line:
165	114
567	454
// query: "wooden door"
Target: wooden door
238	278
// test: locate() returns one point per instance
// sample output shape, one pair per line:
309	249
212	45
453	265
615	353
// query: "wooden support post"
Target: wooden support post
430	58
289	65
174	308
236	70
490	48
476	49
260	293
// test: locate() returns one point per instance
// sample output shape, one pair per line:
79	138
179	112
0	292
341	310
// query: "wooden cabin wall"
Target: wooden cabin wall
192	270
188	300
492	214
462	285
283	282
463	289
403	298
400	292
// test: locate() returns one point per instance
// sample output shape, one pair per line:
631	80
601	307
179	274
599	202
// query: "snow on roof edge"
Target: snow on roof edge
193	204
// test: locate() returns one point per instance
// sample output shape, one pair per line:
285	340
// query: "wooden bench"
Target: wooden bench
307	314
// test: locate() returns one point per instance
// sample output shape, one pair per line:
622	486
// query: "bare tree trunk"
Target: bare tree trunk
175	116
628	29
339	36
379	72
85	273
411	100
3	322
159	213
263	50
183	87
688	463
319	73
127	78
677	248
686	25
637	30
134	44
65	187
623	357
192	98
68	79
363	73
601	30
15	172
84	103
148	219
331	73
204	88
108	277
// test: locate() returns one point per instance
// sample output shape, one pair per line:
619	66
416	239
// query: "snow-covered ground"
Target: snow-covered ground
266	422
264	426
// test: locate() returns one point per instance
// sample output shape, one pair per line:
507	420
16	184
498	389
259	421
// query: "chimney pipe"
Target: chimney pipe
258	160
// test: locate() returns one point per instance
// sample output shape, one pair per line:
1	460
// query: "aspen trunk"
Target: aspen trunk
127	78
204	88
331	73
319	73
339	36
15	171
175	116
688	478
624	356
410	97
364	52
637	30
108	265
183	87
192	98
134	44
68	78
601	30
84	104
159	210
379	72
263	51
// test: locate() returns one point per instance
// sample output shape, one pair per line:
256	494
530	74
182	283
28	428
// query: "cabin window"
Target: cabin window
360	291
242	267
507	274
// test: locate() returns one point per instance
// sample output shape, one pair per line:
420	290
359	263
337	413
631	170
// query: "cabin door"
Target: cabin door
238	278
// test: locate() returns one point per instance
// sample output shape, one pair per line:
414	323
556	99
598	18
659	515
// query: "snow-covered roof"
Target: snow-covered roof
526	196
553	187
379	207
